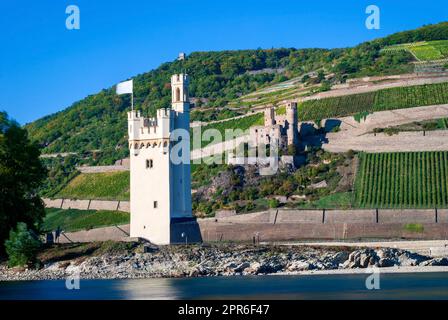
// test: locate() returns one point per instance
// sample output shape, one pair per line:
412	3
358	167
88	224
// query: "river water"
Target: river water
392	286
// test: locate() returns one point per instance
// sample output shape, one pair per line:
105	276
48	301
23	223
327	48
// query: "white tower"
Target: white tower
160	188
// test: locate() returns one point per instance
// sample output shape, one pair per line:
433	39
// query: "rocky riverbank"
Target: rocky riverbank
115	261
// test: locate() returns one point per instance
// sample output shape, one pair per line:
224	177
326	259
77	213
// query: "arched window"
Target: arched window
177	94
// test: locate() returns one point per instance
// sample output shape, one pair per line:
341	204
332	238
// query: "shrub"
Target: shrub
391	131
361	116
292	150
336	129
414	227
273	203
22	246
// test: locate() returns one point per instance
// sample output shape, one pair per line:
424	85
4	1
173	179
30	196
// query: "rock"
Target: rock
361	258
386	262
242	267
300	265
384	257
435	262
339	258
253	268
407	258
364	260
319	185
230	266
194	272
270	267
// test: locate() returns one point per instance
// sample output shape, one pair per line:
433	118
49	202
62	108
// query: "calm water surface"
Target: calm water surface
392	286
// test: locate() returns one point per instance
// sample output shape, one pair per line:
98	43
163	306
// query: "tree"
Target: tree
22	246
21	172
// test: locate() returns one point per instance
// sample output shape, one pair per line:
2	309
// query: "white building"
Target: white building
160	188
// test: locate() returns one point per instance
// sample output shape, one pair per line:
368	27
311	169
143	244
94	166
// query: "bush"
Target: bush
22	246
292	150
273	203
391	131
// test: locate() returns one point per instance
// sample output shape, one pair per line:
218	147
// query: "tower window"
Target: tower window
177	94
155	204
149	163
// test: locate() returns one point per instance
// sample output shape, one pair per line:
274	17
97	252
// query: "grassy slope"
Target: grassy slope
73	220
340	200
107	186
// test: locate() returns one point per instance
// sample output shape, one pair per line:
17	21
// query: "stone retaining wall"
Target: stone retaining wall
221	231
296	231
288	225
113	205
102	169
365	216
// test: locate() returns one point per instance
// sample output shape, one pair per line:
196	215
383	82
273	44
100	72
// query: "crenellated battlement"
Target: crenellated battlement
142	129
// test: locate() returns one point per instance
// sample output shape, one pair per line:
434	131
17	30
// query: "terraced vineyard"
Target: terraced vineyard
336	107
402	180
424	50
104	186
386	99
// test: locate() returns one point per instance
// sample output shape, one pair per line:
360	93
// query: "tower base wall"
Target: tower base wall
185	230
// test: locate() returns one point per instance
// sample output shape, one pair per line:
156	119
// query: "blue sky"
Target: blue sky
44	67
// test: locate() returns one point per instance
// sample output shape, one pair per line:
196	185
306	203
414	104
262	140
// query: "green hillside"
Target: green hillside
105	186
403	180
98	122
74	220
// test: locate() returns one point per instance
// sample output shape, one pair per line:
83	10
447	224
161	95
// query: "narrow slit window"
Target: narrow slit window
155	204
149	163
